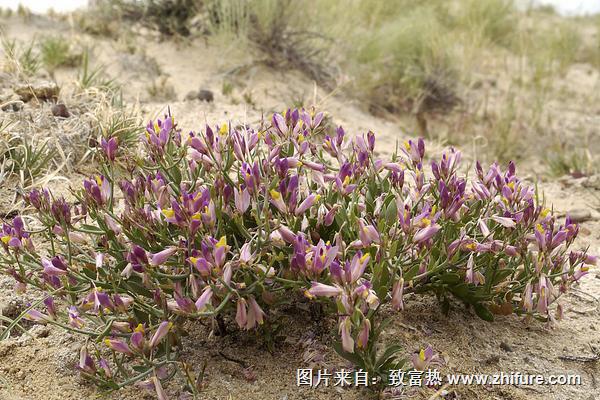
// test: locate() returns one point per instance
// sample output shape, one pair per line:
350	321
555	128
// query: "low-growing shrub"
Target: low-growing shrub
230	220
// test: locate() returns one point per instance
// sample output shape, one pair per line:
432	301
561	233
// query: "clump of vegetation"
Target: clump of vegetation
235	219
55	52
408	64
22	156
493	20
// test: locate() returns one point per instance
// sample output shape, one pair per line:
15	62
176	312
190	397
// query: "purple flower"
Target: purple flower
50	306
138	341
98	189
105	368
118	345
279	124
307	203
86	363
54	267
74	319
505	222
36	316
109	147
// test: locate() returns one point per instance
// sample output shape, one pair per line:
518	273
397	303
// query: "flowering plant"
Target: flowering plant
229	220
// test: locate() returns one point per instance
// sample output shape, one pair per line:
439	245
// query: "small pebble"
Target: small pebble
205	95
202	95
13	106
506	347
580	215
191	95
60	110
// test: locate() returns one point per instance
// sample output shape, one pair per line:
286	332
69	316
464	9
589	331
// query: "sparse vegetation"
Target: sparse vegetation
187	234
94	77
56	52
161	90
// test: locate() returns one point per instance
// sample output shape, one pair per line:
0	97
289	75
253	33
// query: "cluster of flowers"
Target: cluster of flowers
231	219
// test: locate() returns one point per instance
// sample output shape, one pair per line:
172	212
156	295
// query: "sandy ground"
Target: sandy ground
39	364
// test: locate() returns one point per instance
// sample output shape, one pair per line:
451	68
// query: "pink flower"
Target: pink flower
323	290
160	392
204	298
358	266
276	199
528	297
246	255
118	346
255	314
162	256
160	333
504	221
424	358
397	295
362	339
242	199
367	233
241	316
346	334
426	233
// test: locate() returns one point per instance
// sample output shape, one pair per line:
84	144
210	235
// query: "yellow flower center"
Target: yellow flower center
169	213
222	242
275	194
5	239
